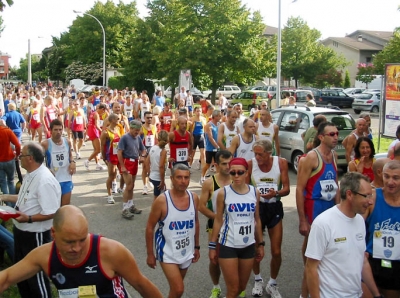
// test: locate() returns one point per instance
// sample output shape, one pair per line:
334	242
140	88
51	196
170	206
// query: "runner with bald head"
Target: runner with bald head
74	252
180	141
377	168
242	145
350	141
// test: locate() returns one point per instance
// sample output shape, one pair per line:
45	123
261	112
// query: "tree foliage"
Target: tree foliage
331	78
366	73
217	40
389	54
37	70
89	73
346	83
303	56
3	4
1	25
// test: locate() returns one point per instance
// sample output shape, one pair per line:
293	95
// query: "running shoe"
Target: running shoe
99	167
273	291
126	214
84	144
86	164
78	155
258	288
110	200
134	210
120	190
215	293
198	164
242	294
144	191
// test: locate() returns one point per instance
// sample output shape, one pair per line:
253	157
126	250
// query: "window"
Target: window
368	59
304	122
275	117
335	44
289	122
235	88
342	121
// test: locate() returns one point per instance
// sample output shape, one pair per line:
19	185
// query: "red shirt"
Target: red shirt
6	137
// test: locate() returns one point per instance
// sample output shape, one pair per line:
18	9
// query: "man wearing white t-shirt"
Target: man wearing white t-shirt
336	262
38	200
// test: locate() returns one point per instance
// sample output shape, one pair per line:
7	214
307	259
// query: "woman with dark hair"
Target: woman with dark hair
364	157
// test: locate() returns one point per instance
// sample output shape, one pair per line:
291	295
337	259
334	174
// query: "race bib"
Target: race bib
79	120
35	117
101	123
265	188
149	141
328	189
243	232
58	159
181	246
167	119
115	148
181	154
52	116
128	113
385	245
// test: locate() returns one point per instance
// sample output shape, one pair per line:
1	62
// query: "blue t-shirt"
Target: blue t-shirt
160	100
13	120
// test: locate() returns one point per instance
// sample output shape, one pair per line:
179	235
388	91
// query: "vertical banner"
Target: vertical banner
185	79
392	99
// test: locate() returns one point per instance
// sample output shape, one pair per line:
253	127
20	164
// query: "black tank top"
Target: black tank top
68	278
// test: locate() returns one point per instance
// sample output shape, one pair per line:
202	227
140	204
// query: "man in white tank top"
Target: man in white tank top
128	108
59	160
177	237
242	145
266	130
227	130
270	175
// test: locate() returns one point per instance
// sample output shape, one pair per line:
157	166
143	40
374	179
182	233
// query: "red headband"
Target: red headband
239	161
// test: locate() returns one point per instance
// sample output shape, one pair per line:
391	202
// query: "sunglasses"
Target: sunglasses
149	117
239	173
332	134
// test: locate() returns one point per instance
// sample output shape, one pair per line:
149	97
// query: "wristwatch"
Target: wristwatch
30	219
197	247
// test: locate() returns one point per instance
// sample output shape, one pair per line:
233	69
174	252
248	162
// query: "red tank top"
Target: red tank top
50	115
166	123
180	146
77	124
204	107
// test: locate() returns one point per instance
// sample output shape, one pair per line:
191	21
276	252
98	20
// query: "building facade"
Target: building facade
358	47
4	65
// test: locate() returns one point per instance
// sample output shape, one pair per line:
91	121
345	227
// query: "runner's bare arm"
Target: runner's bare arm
204	197
221	137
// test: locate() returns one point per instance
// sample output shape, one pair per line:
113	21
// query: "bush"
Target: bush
346	83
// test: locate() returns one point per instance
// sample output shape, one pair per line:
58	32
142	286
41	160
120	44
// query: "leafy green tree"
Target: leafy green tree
89	73
3	3
389	54
365	73
22	71
56	63
346	83
332	78
1	25
84	40
217	40
303	56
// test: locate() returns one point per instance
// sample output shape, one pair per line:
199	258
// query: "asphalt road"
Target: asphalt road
90	194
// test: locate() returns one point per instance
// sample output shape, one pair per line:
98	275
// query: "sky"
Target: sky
38	20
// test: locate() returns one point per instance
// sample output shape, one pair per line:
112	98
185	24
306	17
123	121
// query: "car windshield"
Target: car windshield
341	120
342	94
348	90
364	96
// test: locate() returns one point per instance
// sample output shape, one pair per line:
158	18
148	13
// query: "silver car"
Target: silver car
293	121
367	101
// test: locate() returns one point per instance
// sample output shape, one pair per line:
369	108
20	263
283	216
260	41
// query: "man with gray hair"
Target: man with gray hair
336	262
211	138
131	152
37	202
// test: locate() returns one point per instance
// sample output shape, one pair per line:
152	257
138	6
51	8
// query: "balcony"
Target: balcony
2	71
1	63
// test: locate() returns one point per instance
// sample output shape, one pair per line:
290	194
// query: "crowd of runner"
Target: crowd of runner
243	181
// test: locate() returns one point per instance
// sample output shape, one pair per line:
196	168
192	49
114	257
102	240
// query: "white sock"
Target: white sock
125	206
130	203
257	277
217	287
272	281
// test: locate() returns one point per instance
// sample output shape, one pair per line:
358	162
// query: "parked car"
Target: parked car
270	89
352	91
328	97
229	91
249	98
367	102
197	94
293	121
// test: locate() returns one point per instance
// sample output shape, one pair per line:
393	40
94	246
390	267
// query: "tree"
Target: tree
303	56
217	40
22	72
90	73
389	54
3	4
365	73
1	25
346	83
332	78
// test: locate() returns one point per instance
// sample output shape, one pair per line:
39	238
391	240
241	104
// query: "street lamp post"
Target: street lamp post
278	60
104	44
29	64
